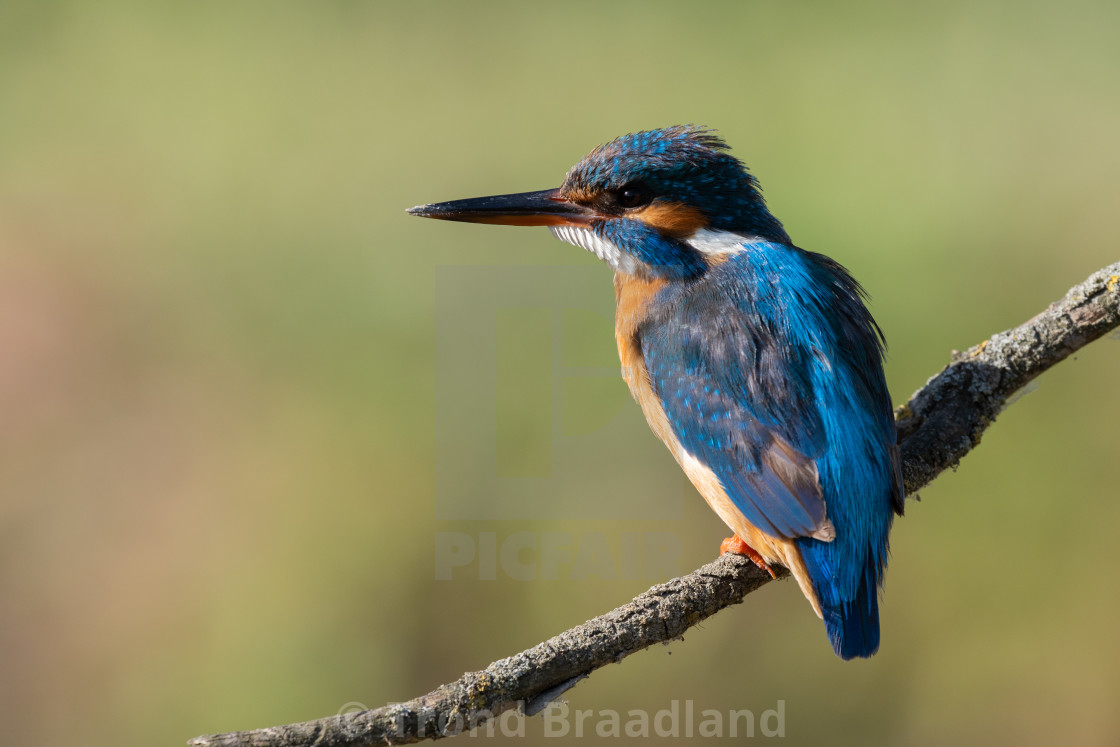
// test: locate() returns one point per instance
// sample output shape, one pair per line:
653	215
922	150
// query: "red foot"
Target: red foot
735	545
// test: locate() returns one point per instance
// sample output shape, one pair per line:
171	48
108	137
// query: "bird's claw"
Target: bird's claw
734	544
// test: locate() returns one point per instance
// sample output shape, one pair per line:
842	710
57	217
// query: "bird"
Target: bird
755	361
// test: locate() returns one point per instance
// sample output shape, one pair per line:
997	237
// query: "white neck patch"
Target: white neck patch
605	250
715	243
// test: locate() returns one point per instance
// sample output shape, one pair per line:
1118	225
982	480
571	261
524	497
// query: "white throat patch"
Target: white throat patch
705	241
585	238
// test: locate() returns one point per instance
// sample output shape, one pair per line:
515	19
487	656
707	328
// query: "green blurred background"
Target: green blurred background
219	336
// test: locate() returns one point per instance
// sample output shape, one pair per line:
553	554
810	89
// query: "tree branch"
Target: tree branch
942	422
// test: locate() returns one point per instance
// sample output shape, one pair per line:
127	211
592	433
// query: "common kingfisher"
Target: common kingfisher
755	361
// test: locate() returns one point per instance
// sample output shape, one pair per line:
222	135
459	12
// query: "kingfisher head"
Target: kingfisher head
665	203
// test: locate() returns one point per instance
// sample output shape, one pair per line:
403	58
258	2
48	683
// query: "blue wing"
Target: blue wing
752	363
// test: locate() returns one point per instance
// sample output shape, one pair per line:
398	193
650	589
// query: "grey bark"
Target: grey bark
942	422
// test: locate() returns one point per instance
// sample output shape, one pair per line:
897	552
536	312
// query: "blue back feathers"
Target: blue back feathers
773	351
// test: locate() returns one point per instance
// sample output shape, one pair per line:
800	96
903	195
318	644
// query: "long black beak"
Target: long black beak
544	208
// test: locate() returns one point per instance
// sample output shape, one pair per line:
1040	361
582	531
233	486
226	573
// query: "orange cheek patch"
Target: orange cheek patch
673	219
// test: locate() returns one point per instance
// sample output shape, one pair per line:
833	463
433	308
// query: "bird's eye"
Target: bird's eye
632	197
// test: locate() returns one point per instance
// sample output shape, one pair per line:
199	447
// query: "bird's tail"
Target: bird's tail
852	623
853	627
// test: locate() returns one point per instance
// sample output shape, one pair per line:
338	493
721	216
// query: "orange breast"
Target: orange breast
634	296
